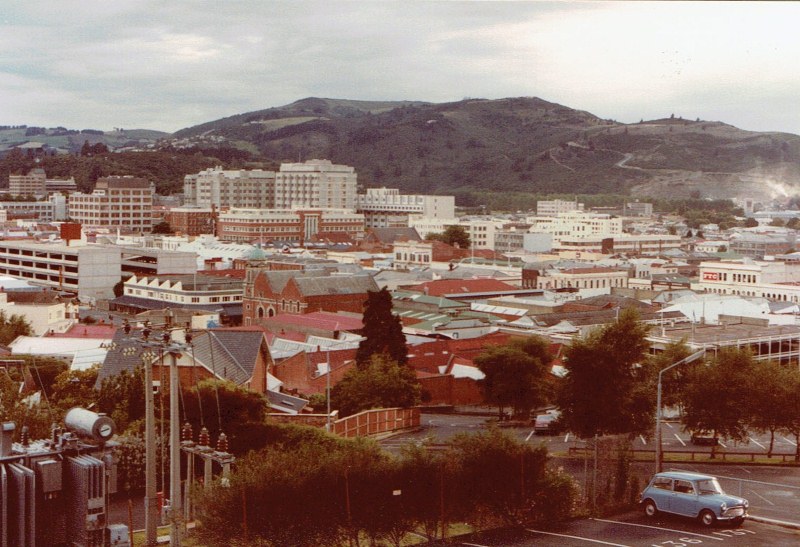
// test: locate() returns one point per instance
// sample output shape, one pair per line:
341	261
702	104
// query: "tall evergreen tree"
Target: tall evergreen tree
383	331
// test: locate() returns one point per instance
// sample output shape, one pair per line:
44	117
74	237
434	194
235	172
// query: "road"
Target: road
633	530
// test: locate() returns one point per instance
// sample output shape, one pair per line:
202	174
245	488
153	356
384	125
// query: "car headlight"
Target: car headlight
746	504
723	506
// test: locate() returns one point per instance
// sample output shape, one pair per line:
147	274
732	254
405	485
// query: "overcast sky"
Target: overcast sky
172	64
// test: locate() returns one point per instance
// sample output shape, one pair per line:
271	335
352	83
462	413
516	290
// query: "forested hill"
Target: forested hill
515	144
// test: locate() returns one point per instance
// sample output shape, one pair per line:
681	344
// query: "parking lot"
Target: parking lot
633	530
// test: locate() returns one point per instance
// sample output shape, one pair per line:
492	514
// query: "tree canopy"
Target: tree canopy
380	383
383	331
517	374
608	387
456	236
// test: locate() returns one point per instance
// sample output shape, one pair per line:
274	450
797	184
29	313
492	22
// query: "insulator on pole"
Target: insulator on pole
222	443
187	434
25	437
205	438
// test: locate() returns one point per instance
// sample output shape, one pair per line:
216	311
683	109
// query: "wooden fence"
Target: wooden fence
375	422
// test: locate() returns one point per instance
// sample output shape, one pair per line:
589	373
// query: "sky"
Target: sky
169	65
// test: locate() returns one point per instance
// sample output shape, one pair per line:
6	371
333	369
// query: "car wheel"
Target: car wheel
650	509
707	518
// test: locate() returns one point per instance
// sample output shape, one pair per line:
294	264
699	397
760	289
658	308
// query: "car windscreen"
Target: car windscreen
709	486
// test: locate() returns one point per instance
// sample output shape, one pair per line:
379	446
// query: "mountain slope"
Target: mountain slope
515	144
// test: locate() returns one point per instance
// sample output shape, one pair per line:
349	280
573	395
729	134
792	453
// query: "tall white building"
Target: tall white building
313	183
481	232
387	207
577	224
551	208
230	188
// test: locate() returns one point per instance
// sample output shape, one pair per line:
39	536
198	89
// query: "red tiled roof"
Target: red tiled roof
87	331
442	287
317	319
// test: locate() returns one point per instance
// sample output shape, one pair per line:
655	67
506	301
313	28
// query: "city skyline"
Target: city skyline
168	66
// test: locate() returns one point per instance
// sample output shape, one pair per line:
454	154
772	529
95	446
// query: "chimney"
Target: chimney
7	438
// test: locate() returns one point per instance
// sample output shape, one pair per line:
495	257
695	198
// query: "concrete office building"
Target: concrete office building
551	208
117	202
216	187
91	271
289	226
52	209
388	208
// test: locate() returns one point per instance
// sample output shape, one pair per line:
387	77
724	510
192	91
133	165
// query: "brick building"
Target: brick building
191	221
267	293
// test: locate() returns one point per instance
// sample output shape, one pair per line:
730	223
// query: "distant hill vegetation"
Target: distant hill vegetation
515	144
470	148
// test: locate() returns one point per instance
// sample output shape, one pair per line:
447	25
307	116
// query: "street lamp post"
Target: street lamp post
693	357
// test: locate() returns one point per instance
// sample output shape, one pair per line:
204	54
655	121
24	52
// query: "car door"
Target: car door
661	492
683	499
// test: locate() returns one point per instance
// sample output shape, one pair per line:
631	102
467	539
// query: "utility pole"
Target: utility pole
174	448
151	516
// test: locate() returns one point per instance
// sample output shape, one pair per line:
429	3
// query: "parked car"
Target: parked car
546	423
692	495
704	439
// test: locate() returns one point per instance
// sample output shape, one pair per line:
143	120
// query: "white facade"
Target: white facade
551	208
188	291
583	278
387	207
412	254
481	232
43	318
772	280
576	224
230	188
315	183
52	209
32	184
90	270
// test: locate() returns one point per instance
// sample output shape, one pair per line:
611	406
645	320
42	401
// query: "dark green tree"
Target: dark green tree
717	395
769	400
750	223
122	397
793	223
380	383
456	236
608	386
383	330
517	374
13	326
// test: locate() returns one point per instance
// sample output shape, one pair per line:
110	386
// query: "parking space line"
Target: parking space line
669	425
474	545
762	497
758	443
566	438
722	444
642	437
657	528
589	540
679	439
528	438
790	442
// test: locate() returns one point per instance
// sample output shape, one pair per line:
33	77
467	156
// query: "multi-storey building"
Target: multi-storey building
195	291
191	221
313	184
583	278
117	202
91	270
758	245
577	224
289	226
53	209
32	184
216	187
481	232
775	280
551	208
388	208
645	244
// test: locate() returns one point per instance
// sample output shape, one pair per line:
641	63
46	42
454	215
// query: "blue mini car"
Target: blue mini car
692	495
